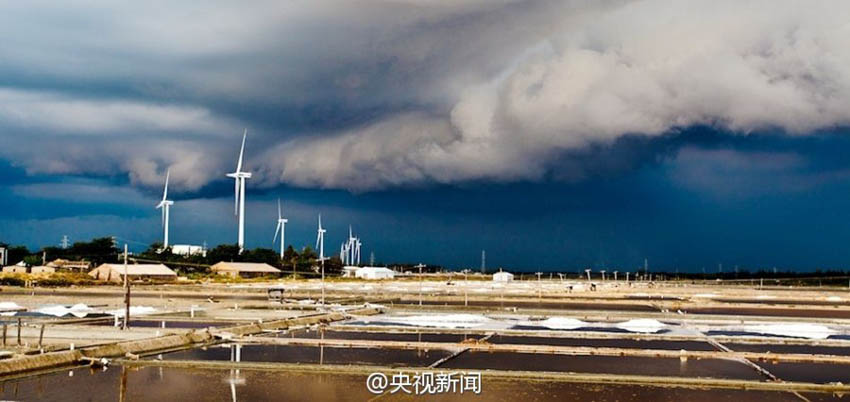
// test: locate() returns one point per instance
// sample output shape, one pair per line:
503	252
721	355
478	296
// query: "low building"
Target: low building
245	269
19	268
42	269
73	266
188	250
350	271
502	276
115	272
374	273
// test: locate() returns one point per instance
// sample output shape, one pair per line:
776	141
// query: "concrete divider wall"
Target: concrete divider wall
171	341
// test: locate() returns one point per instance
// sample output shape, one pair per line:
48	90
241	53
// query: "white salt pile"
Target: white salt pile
134	310
556	323
442	320
798	330
643	325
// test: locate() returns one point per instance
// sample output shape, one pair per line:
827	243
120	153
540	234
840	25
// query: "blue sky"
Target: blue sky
553	134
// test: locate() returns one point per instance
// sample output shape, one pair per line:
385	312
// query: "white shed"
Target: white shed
502	276
373	273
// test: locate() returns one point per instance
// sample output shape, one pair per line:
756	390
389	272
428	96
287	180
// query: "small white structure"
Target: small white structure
245	269
115	272
374	273
502	276
350	271
188	250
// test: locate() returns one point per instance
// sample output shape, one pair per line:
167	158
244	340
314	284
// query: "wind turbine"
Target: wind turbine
320	244
281	227
239	180
165	204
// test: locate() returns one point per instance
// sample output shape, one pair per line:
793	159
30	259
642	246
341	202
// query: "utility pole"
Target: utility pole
420	266
483	261
539	287
126	293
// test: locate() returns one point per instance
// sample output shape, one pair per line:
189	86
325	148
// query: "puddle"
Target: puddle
315	355
602	342
165	384
715	368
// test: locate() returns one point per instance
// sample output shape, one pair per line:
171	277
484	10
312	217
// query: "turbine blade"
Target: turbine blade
165	192
279	215
276	230
241	151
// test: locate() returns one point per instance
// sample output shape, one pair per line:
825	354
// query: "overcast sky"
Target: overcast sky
554	134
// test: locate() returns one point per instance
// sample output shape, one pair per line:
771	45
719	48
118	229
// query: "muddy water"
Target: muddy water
715	368
168	384
602	343
379	336
801	349
539	304
771	312
171	324
310	354
809	372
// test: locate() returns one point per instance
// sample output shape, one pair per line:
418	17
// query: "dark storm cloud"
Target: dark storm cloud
378	94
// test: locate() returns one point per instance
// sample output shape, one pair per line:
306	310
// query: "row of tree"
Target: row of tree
104	249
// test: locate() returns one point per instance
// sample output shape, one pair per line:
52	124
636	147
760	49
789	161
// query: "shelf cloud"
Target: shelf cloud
375	95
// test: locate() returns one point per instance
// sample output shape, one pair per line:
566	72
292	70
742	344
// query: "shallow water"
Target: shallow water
714	368
802	349
379	336
602	342
313	354
809	372
170	384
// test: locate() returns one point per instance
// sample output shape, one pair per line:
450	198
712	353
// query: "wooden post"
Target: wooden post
127	293
19	331
4	334
40	335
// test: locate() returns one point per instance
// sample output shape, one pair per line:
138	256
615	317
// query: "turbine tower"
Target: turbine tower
320	244
165	204
239	178
281	227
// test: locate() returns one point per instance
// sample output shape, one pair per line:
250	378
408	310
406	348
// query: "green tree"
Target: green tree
265	255
224	252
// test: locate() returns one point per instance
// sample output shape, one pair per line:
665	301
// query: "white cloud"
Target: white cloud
416	92
646	67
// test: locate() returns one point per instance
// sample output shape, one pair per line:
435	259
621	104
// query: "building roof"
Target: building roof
138	269
244	267
376	269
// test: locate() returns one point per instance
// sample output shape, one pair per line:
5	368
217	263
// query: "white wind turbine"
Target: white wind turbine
239	207
165	204
320	244
281	227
